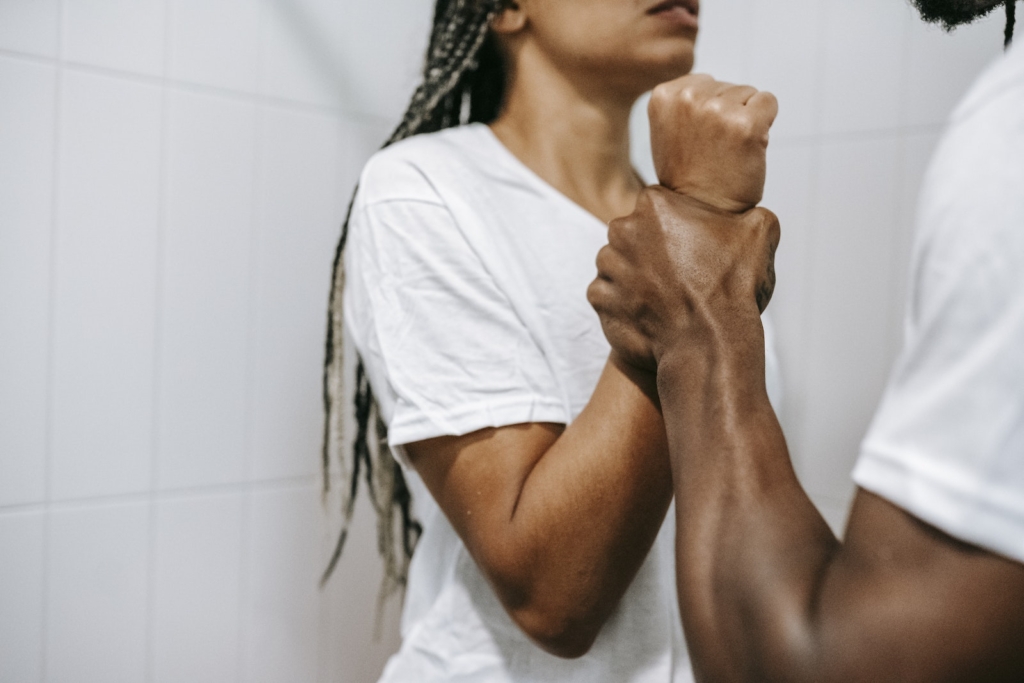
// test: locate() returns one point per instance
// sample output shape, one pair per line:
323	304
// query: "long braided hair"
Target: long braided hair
464	81
1011	19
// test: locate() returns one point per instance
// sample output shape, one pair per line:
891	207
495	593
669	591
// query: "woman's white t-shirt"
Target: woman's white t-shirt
466	299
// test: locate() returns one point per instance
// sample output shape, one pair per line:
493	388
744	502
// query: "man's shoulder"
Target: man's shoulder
972	191
997	87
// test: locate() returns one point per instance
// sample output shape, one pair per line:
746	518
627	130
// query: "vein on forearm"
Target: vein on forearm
753	551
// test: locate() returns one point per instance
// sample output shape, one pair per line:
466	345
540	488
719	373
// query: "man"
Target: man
928	584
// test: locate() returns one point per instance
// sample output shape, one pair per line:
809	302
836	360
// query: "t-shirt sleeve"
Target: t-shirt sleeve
438	336
947	443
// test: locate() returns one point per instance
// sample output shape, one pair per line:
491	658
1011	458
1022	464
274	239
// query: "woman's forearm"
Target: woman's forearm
591	508
559	520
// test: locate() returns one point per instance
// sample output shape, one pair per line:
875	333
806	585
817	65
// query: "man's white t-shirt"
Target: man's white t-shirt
466	299
947	443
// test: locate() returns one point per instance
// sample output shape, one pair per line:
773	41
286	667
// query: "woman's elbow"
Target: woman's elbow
559	633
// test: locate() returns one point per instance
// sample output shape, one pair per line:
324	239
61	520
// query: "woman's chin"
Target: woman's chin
664	70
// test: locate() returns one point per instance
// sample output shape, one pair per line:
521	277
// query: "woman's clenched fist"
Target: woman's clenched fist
709	140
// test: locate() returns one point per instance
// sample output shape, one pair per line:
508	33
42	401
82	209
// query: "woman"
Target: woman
537	463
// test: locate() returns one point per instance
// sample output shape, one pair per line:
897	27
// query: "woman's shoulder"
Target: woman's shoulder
412	169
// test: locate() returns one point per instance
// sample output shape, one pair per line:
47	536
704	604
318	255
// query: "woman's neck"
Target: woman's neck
576	140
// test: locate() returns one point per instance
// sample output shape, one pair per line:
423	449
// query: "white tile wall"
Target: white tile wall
96	593
22	566
849	303
784	47
173	174
300	209
864	61
352	643
106	257
283	603
789	192
215	42
723	46
127	35
385	89
26	206
205	289
301	46
196	589
29	26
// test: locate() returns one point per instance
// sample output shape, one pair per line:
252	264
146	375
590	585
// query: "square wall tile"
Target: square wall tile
785	59
959	57
284	601
864	64
215	42
26	200
97	578
301	209
21	596
29	26
197	587
850	301
117	34
104	326
205	291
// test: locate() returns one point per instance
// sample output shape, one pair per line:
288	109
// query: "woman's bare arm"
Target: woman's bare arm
559	518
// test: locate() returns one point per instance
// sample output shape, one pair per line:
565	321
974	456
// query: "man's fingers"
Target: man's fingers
600	295
768	232
607	263
622	234
768	225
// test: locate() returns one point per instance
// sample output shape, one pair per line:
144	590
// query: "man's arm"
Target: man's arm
559	518
766	591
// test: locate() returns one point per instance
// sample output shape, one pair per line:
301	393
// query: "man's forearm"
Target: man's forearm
751	548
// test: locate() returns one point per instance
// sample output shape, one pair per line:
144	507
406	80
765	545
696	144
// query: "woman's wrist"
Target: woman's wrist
645	380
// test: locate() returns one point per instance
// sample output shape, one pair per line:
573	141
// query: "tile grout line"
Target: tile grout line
255	222
205	89
51	347
263	486
158	289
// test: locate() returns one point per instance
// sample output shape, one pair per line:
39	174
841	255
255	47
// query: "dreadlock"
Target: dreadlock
463	81
1011	19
